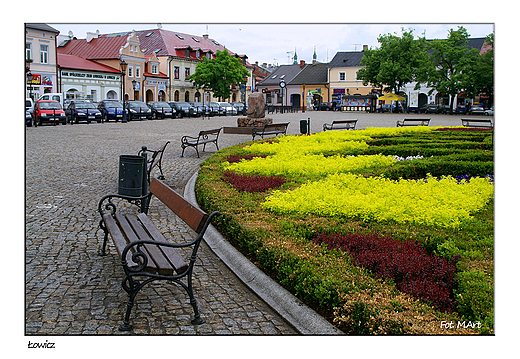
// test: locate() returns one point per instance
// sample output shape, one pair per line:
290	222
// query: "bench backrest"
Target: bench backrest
417	119
157	155
275	125
210	132
193	216
343	121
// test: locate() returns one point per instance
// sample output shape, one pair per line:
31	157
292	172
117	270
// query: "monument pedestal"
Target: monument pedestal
253	122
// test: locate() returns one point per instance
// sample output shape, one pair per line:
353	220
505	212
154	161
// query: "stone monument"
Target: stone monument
255	112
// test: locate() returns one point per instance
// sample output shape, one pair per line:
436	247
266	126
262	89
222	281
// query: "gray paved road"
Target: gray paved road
71	290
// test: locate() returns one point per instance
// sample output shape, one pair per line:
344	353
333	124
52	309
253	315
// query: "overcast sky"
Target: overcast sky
275	43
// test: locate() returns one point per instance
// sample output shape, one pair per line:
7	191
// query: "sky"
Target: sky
275	43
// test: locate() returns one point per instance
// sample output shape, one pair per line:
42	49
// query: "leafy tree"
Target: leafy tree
218	74
453	64
396	62
483	72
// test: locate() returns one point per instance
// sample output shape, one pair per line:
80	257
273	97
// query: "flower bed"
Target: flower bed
356	183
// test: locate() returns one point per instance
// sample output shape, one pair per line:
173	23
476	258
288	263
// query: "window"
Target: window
155	70
130	71
186	72
208	55
342	76
176	72
187	52
44	54
137	71
198	54
28	51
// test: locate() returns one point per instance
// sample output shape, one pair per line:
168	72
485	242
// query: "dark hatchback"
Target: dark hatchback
137	110
78	111
202	110
429	108
241	107
111	110
184	109
161	109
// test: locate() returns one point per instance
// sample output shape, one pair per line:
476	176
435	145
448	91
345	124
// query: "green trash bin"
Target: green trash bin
132	175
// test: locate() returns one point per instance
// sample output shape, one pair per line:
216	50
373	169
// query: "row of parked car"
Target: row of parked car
75	111
476	109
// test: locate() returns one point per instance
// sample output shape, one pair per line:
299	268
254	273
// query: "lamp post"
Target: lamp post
123	66
282	86
29	80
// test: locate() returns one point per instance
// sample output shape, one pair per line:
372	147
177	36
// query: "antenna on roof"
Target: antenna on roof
159	26
355	46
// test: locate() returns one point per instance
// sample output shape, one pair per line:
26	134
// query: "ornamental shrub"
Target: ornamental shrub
424	276
255	183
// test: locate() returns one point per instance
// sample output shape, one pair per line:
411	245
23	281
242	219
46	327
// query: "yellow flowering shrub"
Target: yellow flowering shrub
444	202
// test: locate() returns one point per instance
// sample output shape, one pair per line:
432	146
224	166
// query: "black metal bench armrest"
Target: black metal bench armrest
110	206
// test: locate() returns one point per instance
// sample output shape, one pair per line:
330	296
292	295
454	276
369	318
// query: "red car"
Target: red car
48	111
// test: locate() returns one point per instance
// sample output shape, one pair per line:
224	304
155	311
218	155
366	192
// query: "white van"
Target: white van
54	96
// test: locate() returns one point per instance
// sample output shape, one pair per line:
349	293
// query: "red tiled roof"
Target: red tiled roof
79	63
160	75
97	49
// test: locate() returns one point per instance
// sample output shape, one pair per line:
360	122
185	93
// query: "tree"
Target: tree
218	74
482	74
396	62
453	64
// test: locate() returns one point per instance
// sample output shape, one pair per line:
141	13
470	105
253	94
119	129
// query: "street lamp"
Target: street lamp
29	80
123	66
282	86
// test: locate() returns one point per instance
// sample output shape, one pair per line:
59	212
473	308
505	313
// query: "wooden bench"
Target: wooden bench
154	161
204	137
340	125
413	122
145	254
477	122
270	129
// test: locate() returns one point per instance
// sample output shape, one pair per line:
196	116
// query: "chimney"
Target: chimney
205	36
302	64
365	47
92	35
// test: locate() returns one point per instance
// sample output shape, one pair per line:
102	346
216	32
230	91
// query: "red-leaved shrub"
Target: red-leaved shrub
236	158
415	272
255	183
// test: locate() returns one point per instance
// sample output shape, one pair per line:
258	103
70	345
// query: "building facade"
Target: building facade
40	59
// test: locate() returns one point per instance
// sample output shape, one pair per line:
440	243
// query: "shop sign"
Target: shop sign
338	91
36	80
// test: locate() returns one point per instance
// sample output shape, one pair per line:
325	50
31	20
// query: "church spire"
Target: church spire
314	56
295	57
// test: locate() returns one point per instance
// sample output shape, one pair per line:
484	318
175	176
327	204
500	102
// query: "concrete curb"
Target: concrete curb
304	319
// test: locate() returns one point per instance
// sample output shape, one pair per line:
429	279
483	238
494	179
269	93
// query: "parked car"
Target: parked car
327	106
138	110
241	107
80	110
490	111
53	96
477	109
28	118
184	109
201	108
215	109
161	109
229	110
444	109
460	109
111	110
429	108
48	111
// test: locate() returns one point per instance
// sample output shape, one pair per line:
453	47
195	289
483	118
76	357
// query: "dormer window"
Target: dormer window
155	69
208	55
197	53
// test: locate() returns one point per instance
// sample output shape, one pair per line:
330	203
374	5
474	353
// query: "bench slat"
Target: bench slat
130	236
190	214
118	238
157	256
171	254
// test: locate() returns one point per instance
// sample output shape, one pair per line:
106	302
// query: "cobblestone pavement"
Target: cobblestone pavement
71	290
